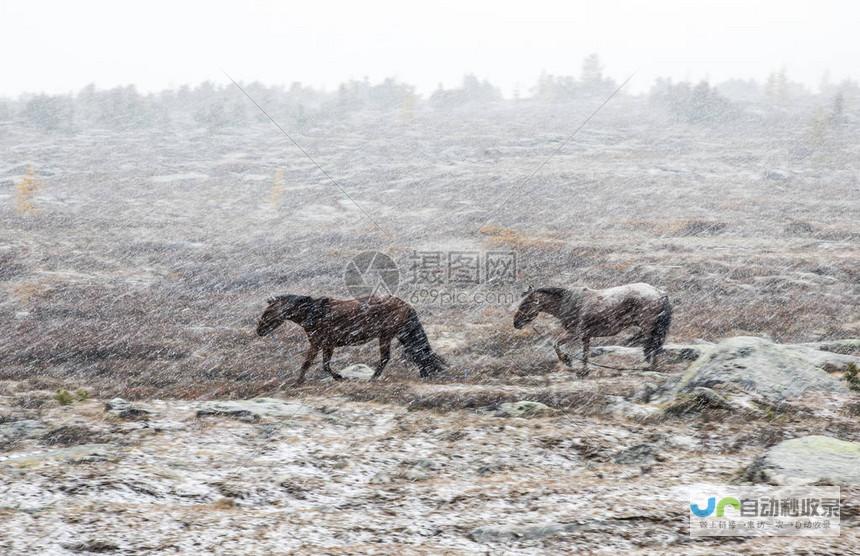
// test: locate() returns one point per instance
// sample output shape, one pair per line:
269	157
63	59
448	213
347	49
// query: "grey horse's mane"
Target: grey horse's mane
570	300
551	291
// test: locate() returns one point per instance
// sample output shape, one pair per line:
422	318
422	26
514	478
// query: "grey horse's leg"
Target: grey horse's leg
309	360
586	349
653	362
327	353
384	356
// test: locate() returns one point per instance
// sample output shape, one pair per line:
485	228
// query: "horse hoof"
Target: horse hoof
337	376
298	383
582	374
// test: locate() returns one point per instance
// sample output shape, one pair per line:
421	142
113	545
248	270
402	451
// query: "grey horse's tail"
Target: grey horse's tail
417	347
659	330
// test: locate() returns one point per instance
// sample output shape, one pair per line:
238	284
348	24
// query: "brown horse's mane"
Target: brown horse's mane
293	298
551	291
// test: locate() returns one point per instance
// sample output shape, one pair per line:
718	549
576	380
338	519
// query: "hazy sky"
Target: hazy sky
59	46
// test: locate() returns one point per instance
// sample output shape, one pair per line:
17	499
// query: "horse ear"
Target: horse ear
271	300
528	291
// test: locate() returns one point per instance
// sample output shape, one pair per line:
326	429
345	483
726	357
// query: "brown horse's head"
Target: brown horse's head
529	308
281	308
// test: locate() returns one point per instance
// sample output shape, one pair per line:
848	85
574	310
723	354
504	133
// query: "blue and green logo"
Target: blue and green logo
712	505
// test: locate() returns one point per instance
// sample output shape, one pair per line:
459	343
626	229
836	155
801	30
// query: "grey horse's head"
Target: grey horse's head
528	309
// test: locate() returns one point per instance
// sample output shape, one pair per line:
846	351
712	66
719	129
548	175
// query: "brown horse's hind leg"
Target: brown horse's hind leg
309	360
384	356
586	349
327	353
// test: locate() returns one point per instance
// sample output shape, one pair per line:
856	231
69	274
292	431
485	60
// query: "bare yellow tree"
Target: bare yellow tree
25	190
278	188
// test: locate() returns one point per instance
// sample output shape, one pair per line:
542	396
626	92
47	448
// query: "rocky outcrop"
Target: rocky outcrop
775	372
809	460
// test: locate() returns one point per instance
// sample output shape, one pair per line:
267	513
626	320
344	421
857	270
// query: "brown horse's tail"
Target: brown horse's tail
659	330
417	347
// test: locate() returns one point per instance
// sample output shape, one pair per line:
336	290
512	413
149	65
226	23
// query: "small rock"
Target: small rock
776	174
69	435
684	442
525	409
357	372
799	228
491	468
495	533
427	464
620	407
380	478
415	474
117	404
92	546
644	393
251	411
125	410
636	455
677	354
696	401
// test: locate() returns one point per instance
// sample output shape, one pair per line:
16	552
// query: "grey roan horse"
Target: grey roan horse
587	313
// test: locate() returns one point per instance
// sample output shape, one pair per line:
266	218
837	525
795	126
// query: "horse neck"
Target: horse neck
311	313
564	305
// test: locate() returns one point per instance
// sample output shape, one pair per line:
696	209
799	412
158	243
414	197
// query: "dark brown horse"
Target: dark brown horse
331	323
587	313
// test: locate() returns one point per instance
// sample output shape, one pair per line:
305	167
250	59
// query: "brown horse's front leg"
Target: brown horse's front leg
586	349
327	353
384	356
309	360
562	356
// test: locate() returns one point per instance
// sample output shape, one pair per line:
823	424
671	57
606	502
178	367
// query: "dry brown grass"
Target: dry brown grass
27	291
500	237
127	300
681	227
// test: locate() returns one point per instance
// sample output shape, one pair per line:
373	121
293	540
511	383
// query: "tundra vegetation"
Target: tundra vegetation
141	234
